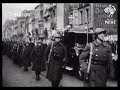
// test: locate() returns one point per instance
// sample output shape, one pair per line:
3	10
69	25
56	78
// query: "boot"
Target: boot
37	77
33	68
37	73
25	69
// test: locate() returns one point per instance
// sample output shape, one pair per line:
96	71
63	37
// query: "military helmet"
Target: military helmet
41	37
100	30
57	35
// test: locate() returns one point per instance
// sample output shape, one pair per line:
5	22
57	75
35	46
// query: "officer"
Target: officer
56	57
101	58
37	55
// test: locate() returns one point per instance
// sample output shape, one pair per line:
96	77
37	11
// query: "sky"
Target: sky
11	10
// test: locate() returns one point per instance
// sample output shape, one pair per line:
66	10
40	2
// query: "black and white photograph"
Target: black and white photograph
59	44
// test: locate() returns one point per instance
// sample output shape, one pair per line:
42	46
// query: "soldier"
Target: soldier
26	56
101	57
37	55
14	50
56	57
20	54
31	44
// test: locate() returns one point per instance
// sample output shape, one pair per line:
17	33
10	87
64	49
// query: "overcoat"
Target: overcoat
37	57
54	72
101	59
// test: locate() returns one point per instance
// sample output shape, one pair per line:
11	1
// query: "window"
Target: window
81	17
71	18
76	18
87	15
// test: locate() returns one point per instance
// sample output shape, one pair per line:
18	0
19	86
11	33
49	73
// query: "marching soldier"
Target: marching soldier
101	58
26	57
17	53
20	54
37	55
14	50
56	57
31	44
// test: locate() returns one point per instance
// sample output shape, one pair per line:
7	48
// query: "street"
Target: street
14	76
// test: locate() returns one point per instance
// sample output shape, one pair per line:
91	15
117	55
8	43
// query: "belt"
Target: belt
99	62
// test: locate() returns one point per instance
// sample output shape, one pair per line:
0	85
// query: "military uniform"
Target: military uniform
26	57
15	53
101	58
31	44
19	52
54	73
37	57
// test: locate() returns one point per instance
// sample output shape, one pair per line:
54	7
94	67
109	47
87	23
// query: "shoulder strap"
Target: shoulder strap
50	52
90	57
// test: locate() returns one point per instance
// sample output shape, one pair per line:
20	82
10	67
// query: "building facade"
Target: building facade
91	16
39	25
56	16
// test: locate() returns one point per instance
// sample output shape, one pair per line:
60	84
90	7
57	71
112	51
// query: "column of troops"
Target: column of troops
21	52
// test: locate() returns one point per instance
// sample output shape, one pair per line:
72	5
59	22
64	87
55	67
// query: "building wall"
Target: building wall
86	18
102	19
60	15
82	16
30	25
37	16
66	14
45	12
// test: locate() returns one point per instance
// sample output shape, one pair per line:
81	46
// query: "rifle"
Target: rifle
17	48
13	47
116	50
90	57
23	50
50	52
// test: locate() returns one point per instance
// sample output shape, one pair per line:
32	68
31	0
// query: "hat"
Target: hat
41	36
99	30
57	35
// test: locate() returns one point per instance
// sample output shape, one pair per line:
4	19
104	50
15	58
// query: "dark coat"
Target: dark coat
101	52
37	57
26	55
54	72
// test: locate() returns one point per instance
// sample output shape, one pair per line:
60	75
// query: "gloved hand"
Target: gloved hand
63	66
85	75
